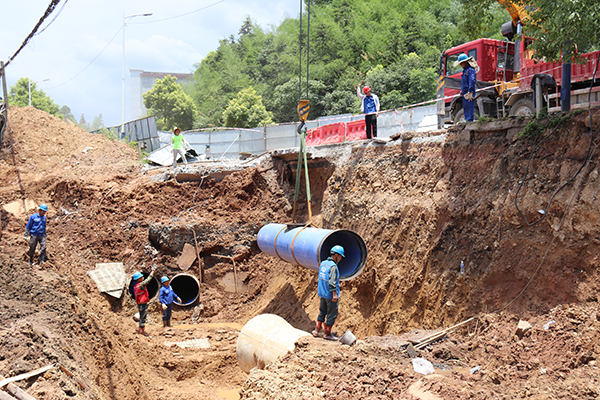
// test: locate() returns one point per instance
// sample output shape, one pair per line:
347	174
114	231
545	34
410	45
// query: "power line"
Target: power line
53	19
51	7
178	16
91	62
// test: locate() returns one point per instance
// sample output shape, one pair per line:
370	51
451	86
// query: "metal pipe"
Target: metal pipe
185	286
307	247
265	338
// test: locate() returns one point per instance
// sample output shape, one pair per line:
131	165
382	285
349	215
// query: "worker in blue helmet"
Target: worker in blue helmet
328	290
36	231
166	295
467	86
142	297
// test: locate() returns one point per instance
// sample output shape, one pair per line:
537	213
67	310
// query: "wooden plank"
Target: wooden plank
187	258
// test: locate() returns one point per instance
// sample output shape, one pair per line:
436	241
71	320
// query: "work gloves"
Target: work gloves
468	96
26	234
164	306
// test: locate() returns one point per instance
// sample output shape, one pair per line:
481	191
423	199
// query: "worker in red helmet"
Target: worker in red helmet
369	105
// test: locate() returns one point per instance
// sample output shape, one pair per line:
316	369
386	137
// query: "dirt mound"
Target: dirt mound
39	144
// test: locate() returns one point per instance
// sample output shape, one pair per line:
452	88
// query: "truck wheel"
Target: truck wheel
523	107
459	116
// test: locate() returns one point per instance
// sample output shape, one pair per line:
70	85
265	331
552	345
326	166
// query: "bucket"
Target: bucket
348	338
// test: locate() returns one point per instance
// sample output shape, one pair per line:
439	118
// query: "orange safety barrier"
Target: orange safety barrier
313	136
356	130
327	134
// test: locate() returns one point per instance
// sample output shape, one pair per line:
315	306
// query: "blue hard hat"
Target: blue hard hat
44	207
137	275
338	249
462	57
164	279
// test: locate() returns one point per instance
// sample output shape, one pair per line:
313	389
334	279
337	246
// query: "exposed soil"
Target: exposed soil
422	204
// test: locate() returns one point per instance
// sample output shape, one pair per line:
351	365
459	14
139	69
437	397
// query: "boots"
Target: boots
315	333
31	260
142	331
169	323
42	259
165	323
328	334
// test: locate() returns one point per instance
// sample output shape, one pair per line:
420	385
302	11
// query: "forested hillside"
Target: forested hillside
393	46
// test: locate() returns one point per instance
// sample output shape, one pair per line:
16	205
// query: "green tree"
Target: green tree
170	104
19	96
97	123
558	27
83	123
247	110
65	113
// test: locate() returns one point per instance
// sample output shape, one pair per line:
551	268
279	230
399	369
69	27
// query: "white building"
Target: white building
141	82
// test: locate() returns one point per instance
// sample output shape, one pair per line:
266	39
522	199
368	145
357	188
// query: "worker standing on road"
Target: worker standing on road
328	290
369	104
178	146
166	295
467	84
36	230
142	297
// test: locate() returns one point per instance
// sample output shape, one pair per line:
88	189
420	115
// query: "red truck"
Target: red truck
503	89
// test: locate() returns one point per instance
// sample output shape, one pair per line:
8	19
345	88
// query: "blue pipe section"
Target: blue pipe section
307	247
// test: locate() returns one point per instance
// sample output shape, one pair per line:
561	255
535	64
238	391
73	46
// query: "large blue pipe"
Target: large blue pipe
309	246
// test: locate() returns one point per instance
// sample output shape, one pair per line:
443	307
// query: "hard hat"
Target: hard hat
338	249
164	279
43	207
137	275
366	89
462	57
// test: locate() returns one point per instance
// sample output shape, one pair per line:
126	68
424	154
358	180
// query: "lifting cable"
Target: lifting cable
303	108
586	163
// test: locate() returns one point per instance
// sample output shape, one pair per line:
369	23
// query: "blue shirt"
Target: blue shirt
468	79
370	106
329	279
166	295
36	225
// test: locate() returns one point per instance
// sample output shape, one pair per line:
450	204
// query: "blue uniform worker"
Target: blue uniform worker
166	295
328	290
467	85
36	230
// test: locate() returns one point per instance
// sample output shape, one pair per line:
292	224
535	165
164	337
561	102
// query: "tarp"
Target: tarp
164	156
110	278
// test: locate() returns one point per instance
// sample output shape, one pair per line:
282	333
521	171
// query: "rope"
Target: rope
48	11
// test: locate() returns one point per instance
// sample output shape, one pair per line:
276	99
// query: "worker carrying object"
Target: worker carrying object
166	295
36	231
467	84
178	146
142	297
328	290
369	104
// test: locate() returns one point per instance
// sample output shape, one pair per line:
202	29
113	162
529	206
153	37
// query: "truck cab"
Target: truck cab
495	59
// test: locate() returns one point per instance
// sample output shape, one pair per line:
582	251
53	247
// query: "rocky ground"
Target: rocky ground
422	203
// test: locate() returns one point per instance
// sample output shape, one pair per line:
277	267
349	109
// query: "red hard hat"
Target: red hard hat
366	89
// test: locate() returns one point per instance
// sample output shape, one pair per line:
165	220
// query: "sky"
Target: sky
64	52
